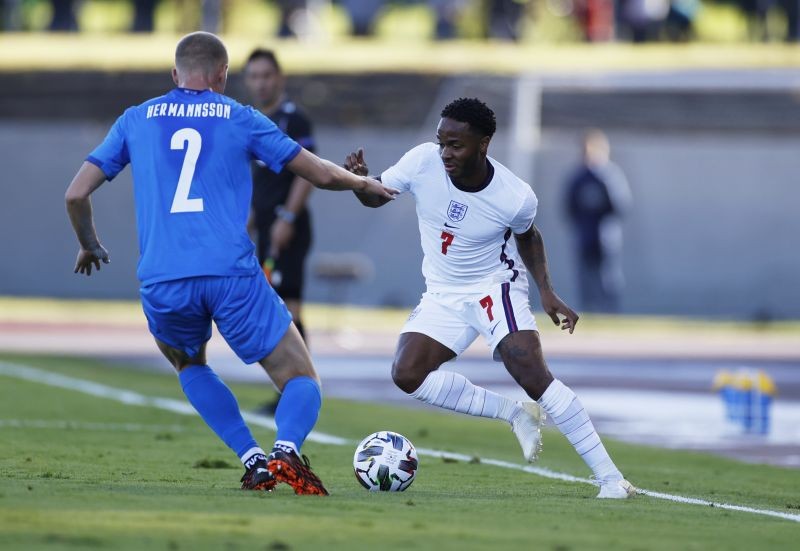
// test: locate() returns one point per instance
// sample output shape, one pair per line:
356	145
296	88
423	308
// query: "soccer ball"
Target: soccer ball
385	461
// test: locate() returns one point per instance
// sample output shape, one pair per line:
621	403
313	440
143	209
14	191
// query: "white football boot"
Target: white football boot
527	427
616	488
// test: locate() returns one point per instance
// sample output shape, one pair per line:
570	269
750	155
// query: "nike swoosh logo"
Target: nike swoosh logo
446	225
493	328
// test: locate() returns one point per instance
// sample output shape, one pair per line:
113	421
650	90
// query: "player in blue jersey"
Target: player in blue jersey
190	153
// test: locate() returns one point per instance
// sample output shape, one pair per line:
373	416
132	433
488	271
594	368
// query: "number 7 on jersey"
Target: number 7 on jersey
190	139
447	240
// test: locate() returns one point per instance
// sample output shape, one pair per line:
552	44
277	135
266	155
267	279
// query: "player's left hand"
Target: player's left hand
374	187
88	258
553	306
280	236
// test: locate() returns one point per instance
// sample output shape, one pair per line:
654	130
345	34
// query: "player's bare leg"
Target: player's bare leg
295	307
218	407
179	359
289	359
290	368
522	355
416	357
416	371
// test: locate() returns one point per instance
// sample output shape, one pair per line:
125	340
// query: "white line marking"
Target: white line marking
130	397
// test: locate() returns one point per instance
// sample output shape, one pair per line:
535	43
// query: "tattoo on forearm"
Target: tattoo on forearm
535	258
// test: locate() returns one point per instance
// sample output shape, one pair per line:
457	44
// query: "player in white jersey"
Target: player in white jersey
469	207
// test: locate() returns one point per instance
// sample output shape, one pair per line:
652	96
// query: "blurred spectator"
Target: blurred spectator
143	16
504	18
212	15
597	197
10	19
756	13
447	13
290	11
208	15
362	15
791	10
644	19
63	19
758	18
679	26
596	19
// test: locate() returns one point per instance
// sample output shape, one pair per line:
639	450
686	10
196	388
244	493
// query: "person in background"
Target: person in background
597	197
644	19
279	213
63	16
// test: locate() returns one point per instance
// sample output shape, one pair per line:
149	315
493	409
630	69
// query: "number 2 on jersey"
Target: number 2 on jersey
447	240
190	139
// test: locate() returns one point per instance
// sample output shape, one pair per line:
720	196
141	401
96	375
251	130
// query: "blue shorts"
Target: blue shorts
250	316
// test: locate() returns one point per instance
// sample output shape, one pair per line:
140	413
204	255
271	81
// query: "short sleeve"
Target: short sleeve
112	155
523	220
268	144
402	174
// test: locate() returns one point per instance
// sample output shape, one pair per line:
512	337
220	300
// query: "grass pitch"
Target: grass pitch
131	477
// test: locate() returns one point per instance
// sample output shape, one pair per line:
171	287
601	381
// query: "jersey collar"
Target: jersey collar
191	91
484	185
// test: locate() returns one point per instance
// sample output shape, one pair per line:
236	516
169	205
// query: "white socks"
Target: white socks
252	455
568	414
453	391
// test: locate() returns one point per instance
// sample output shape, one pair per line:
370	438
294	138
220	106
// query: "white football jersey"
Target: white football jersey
467	236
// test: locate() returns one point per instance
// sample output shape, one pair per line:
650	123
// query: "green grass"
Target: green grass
76	488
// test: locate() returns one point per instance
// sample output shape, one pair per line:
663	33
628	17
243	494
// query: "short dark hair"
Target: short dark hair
473	112
263	53
200	51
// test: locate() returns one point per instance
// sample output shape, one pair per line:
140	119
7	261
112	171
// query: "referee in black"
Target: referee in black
279	214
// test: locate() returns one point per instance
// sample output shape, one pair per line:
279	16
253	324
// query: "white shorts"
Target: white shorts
457	320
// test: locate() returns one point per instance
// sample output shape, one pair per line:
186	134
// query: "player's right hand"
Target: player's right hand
88	258
356	164
553	306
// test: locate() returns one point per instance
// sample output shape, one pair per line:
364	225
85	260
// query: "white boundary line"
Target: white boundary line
130	397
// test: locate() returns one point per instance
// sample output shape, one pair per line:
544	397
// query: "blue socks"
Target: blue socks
297	412
296	415
218	407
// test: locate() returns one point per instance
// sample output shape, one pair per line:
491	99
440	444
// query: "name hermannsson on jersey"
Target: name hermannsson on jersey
220	110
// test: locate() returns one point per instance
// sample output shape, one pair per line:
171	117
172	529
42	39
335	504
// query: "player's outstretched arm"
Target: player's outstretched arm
356	164
531	249
79	208
326	175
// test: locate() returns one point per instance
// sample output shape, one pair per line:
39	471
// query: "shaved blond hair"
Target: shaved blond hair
200	52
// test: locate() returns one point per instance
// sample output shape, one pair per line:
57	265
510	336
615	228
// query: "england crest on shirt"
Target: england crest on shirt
456	211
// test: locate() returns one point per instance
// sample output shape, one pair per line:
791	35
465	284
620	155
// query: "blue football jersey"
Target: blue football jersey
190	154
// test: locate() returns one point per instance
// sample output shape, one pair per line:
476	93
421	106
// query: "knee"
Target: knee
405	378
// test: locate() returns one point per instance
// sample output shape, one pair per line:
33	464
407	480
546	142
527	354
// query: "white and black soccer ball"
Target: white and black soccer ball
385	461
